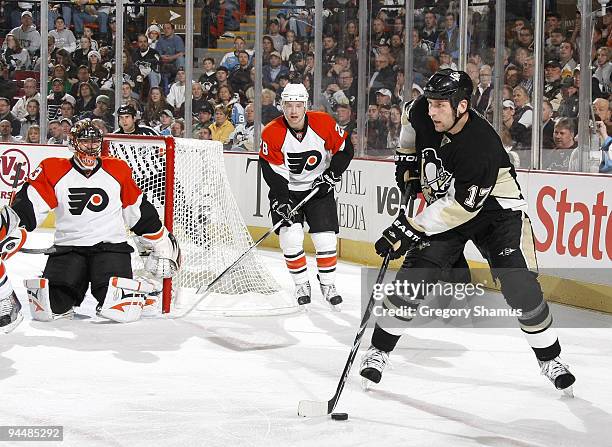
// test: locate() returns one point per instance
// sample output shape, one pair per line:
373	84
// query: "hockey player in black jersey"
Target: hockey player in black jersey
451	153
129	126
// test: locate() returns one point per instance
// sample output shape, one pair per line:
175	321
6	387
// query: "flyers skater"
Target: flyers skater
94	199
300	151
472	193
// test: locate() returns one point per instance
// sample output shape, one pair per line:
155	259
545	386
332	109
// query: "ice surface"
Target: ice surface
212	381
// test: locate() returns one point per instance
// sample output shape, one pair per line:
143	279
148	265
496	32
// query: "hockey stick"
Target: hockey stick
204	291
313	408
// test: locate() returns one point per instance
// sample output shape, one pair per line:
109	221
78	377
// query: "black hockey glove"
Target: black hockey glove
282	208
398	239
326	183
407	169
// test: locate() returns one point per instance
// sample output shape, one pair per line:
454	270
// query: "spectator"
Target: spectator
171	49
523	120
483	94
80	56
562	157
273	70
111	36
83	76
603	70
15	57
129	97
601	109
85	12
383	97
569	104
147	61
27	35
6	132
101	125
177	128
155	105
230	60
330	52
88	32
430	32
227	98
59	72
605	166
394	125
288	47
30	90
32	117
56	131
33	135
384	76
548	125
446	61
379	36
507	114
552	84
243	136
166	118
102	111
525	38
528	72
507	92
278	41
57	97
86	100
67	111
197	100
176	96
204	134
209	77
63	37
344	92
448	40
66	126
267	47
344	117
376	134
97	70
553	45
8	88
205	115
269	111
221	80
473	72
512	77
6	114
222	128
566	58
240	77
153	34
595	92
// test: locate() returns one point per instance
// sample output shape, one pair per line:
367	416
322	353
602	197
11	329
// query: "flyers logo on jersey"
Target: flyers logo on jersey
303	161
94	199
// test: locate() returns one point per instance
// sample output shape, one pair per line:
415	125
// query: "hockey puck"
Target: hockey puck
339	416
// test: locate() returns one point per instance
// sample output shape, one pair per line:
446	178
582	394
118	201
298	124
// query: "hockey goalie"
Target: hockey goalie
94	198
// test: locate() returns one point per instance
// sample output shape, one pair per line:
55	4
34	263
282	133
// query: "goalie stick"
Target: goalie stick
314	408
204	291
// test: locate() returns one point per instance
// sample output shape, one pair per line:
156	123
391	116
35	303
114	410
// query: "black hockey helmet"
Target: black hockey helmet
449	84
126	109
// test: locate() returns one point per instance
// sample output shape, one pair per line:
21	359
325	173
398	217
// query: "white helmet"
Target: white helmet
295	92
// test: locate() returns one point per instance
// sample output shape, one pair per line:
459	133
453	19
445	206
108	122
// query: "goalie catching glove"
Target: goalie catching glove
326	183
398	239
164	259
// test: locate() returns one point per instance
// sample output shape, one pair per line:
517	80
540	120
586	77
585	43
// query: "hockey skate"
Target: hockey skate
330	294
559	374
302	293
10	313
373	363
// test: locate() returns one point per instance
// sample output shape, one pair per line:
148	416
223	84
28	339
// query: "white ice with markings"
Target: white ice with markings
212	381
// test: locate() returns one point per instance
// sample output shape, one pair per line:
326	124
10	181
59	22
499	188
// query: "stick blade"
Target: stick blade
313	408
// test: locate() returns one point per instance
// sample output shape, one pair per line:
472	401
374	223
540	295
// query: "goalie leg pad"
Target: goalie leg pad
38	298
125	299
10	307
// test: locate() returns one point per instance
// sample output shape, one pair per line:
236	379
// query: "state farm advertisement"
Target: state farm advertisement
29	157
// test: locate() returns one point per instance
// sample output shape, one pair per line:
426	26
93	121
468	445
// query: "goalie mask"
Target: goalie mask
294	93
86	140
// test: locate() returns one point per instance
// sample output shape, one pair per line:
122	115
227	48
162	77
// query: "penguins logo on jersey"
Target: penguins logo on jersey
94	199
298	162
435	180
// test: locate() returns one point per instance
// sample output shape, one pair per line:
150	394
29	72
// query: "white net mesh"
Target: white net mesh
207	223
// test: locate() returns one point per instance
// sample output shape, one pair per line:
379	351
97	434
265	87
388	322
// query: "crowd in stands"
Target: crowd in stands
81	72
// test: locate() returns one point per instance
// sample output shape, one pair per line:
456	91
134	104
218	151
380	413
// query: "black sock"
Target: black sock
383	340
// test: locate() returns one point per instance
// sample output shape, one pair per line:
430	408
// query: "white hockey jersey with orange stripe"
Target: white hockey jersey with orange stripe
89	209
301	158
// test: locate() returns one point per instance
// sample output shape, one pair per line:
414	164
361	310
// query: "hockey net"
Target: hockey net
185	180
